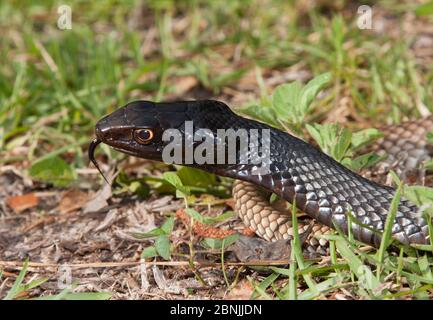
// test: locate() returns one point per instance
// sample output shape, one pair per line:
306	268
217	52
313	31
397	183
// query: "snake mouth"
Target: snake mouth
91	152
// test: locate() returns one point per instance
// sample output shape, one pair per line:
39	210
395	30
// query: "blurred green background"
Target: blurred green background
55	84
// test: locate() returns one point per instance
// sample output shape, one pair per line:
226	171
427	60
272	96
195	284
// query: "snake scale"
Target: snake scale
297	172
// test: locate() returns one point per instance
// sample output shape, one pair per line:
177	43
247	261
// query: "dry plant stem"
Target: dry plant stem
17	265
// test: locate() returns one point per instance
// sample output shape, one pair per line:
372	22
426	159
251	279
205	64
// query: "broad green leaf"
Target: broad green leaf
195	177
53	170
362	137
342	145
424	9
226	78
315	133
162	246
274	197
285	99
216	243
429	165
149	252
195	215
167	226
291	102
262	113
173	179
425	268
312	88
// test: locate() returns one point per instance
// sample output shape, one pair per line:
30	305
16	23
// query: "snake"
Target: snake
200	134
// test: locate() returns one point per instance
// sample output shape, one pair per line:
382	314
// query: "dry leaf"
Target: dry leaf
242	291
22	202
71	200
99	201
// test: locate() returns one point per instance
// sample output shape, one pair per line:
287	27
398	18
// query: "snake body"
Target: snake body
404	147
298	172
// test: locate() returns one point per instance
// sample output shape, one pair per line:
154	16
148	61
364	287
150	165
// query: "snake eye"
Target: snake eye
143	136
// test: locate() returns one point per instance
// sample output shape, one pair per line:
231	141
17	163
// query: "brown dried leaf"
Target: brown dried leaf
242	291
22	202
71	200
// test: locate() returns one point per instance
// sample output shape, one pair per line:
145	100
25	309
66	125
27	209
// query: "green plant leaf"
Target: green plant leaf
362	272
424	9
262	113
209	220
311	89
365	136
342	146
363	161
136	186
285	99
149	252
67	295
173	179
216	243
195	215
162	246
419	195
150	234
88	296
195	177
167	226
429	137
53	170
291	102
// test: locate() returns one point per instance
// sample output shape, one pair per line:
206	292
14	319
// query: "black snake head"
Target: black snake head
138	127
132	129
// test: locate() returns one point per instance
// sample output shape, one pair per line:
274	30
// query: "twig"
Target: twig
18	264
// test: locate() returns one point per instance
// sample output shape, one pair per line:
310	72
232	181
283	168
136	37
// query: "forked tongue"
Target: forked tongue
92	147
